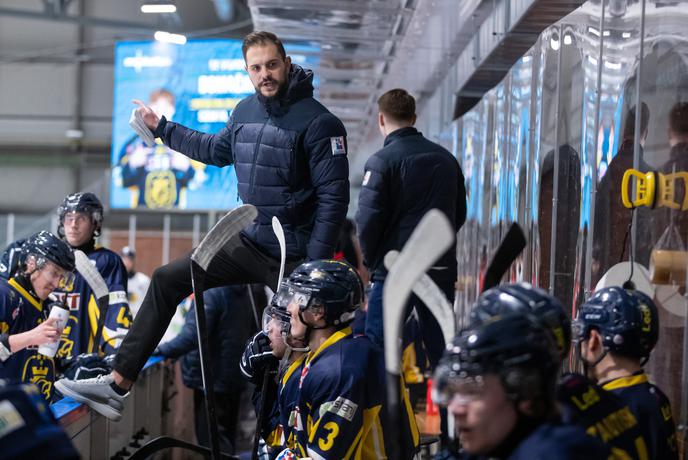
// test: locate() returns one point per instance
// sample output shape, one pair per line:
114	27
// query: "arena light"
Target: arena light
167	37
158	8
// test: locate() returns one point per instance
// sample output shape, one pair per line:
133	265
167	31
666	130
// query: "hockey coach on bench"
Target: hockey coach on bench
290	158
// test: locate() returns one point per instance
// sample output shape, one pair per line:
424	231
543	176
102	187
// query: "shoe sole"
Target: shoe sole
103	409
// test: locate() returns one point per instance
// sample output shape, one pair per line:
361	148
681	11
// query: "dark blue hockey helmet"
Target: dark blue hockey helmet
11	259
44	246
512	346
627	320
526	299
331	284
87	203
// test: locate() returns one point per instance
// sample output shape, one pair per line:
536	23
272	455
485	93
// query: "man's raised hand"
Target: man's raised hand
147	115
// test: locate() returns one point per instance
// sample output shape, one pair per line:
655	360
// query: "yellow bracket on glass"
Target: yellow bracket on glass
653	189
646	188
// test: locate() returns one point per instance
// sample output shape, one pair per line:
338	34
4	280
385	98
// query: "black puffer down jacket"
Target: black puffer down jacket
290	159
408	177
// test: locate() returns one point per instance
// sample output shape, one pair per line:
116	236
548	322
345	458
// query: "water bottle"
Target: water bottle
61	313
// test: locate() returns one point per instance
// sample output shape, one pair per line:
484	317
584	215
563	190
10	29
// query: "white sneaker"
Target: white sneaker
96	393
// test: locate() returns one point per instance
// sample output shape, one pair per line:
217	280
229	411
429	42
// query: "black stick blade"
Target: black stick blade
511	246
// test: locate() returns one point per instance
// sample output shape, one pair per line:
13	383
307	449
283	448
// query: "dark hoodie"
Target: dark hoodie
290	158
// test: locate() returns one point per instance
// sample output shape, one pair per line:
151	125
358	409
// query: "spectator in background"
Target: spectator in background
230	324
611	216
138	282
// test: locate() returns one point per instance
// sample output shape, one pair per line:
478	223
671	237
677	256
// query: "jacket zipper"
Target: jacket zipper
255	157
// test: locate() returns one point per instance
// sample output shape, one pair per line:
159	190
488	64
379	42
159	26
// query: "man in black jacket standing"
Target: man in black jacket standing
289	152
408	177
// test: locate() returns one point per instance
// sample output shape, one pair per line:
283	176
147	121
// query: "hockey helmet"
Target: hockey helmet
333	285
512	346
87	203
627	320
44	246
526	299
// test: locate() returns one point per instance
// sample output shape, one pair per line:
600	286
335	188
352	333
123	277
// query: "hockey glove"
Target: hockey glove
257	357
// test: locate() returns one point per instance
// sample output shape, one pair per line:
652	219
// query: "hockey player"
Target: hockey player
341	398
28	428
498	379
615	332
11	259
81	219
581	401
46	263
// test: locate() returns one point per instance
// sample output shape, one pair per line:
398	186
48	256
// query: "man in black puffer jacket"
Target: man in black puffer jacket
290	158
230	324
408	177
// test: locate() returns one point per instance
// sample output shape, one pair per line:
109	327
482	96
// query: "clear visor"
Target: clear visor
51	271
457	390
288	294
274	317
577	330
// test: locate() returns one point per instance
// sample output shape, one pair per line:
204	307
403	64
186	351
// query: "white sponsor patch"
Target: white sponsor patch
118	297
10	419
342	407
366	178
338	145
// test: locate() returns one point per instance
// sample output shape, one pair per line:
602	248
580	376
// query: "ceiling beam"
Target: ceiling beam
87	21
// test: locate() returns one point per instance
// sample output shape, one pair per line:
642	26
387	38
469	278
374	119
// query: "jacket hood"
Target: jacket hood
300	86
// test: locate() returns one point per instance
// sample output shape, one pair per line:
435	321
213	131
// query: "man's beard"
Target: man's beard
281	90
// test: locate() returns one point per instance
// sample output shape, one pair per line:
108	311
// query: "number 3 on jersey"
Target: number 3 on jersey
328	440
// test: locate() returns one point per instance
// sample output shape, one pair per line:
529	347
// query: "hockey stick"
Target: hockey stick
433	298
431	238
218	239
509	249
100	290
279	233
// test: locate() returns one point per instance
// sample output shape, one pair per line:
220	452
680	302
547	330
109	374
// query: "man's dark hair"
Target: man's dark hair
678	118
398	105
263	38
629	126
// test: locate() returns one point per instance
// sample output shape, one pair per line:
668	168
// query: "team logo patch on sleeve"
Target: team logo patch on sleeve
366	178
338	145
10	419
341	407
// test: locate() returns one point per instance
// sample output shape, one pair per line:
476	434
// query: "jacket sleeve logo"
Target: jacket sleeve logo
338	145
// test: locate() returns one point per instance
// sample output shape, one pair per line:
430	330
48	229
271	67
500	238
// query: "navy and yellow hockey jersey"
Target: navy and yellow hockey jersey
561	442
602	415
278	434
20	312
80	331
653	411
339	403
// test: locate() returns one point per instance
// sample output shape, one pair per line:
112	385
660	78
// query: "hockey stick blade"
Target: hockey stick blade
431	238
279	233
433	298
218	236
90	274
100	290
509	249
